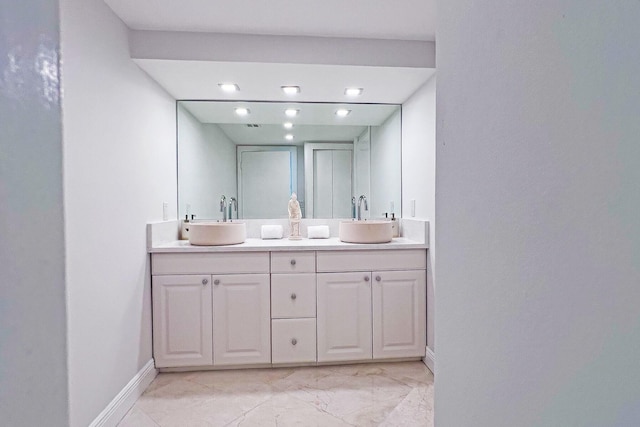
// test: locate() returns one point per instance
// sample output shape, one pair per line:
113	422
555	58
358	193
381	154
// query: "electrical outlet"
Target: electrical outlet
165	211
413	208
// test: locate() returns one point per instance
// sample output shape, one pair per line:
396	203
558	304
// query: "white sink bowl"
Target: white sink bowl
217	233
365	231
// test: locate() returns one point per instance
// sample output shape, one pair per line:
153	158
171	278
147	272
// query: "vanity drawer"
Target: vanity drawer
393	259
210	263
293	340
293	262
293	295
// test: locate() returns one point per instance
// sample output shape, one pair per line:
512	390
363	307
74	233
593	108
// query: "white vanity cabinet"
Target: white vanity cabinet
399	313
211	309
182	320
344	316
293	307
377	313
241	332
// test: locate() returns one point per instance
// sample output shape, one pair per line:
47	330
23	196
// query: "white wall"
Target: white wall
207	164
385	167
33	356
119	167
419	176
538	201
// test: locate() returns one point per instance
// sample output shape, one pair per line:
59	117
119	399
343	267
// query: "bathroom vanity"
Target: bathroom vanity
275	303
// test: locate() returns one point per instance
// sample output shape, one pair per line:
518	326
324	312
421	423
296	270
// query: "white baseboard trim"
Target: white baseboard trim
120	405
430	360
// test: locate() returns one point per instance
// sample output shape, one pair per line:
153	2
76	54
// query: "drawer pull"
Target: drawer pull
293	262
205	281
366	278
216	282
378	278
294	296
294	341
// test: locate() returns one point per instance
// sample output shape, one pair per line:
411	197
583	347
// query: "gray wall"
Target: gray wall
207	167
119	168
33	345
385	184
537	207
419	176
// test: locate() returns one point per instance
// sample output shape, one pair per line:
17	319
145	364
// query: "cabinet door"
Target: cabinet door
182	321
344	316
241	319
399	314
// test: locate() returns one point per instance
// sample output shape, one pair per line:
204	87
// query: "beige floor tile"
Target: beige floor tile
415	410
283	411
389	394
137	418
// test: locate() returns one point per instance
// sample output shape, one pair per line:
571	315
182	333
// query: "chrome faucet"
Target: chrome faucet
366	206
353	207
223	208
233	202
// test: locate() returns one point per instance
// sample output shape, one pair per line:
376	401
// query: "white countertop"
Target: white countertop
254	245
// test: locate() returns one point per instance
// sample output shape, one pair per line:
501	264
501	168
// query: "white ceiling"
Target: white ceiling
314	123
262	81
379	19
273	113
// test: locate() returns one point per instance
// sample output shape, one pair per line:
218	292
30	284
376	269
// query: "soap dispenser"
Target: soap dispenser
394	225
184	227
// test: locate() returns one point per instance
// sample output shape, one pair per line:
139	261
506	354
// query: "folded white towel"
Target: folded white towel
318	231
271	232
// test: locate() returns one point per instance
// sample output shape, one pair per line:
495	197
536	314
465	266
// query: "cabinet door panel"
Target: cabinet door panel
241	319
344	316
399	314
182	320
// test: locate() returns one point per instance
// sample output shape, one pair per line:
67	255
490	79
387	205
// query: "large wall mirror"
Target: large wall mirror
261	152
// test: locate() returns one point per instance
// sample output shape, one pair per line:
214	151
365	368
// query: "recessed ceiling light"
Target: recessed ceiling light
288	137
229	87
291	112
288	125
290	90
241	111
342	112
353	91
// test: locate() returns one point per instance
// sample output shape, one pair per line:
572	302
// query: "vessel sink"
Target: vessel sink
217	233
365	231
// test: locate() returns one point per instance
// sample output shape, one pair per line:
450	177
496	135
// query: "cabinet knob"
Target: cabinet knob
294	341
378	278
366	278
216	282
205	281
294	296
293	262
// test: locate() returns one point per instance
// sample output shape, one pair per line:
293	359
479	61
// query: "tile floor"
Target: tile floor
380	394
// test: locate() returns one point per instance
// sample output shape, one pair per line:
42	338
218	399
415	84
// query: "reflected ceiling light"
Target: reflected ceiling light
290	90
288	137
291	112
242	111
342	112
288	125
229	87
353	91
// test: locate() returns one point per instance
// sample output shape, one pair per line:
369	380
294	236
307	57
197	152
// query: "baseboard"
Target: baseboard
120	405
430	360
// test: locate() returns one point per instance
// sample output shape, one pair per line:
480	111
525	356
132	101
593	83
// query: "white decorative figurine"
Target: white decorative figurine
294	217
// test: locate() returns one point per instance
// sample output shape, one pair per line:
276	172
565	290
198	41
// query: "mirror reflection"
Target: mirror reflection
259	153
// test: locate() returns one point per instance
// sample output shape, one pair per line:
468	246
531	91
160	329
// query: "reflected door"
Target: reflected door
265	184
332	183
